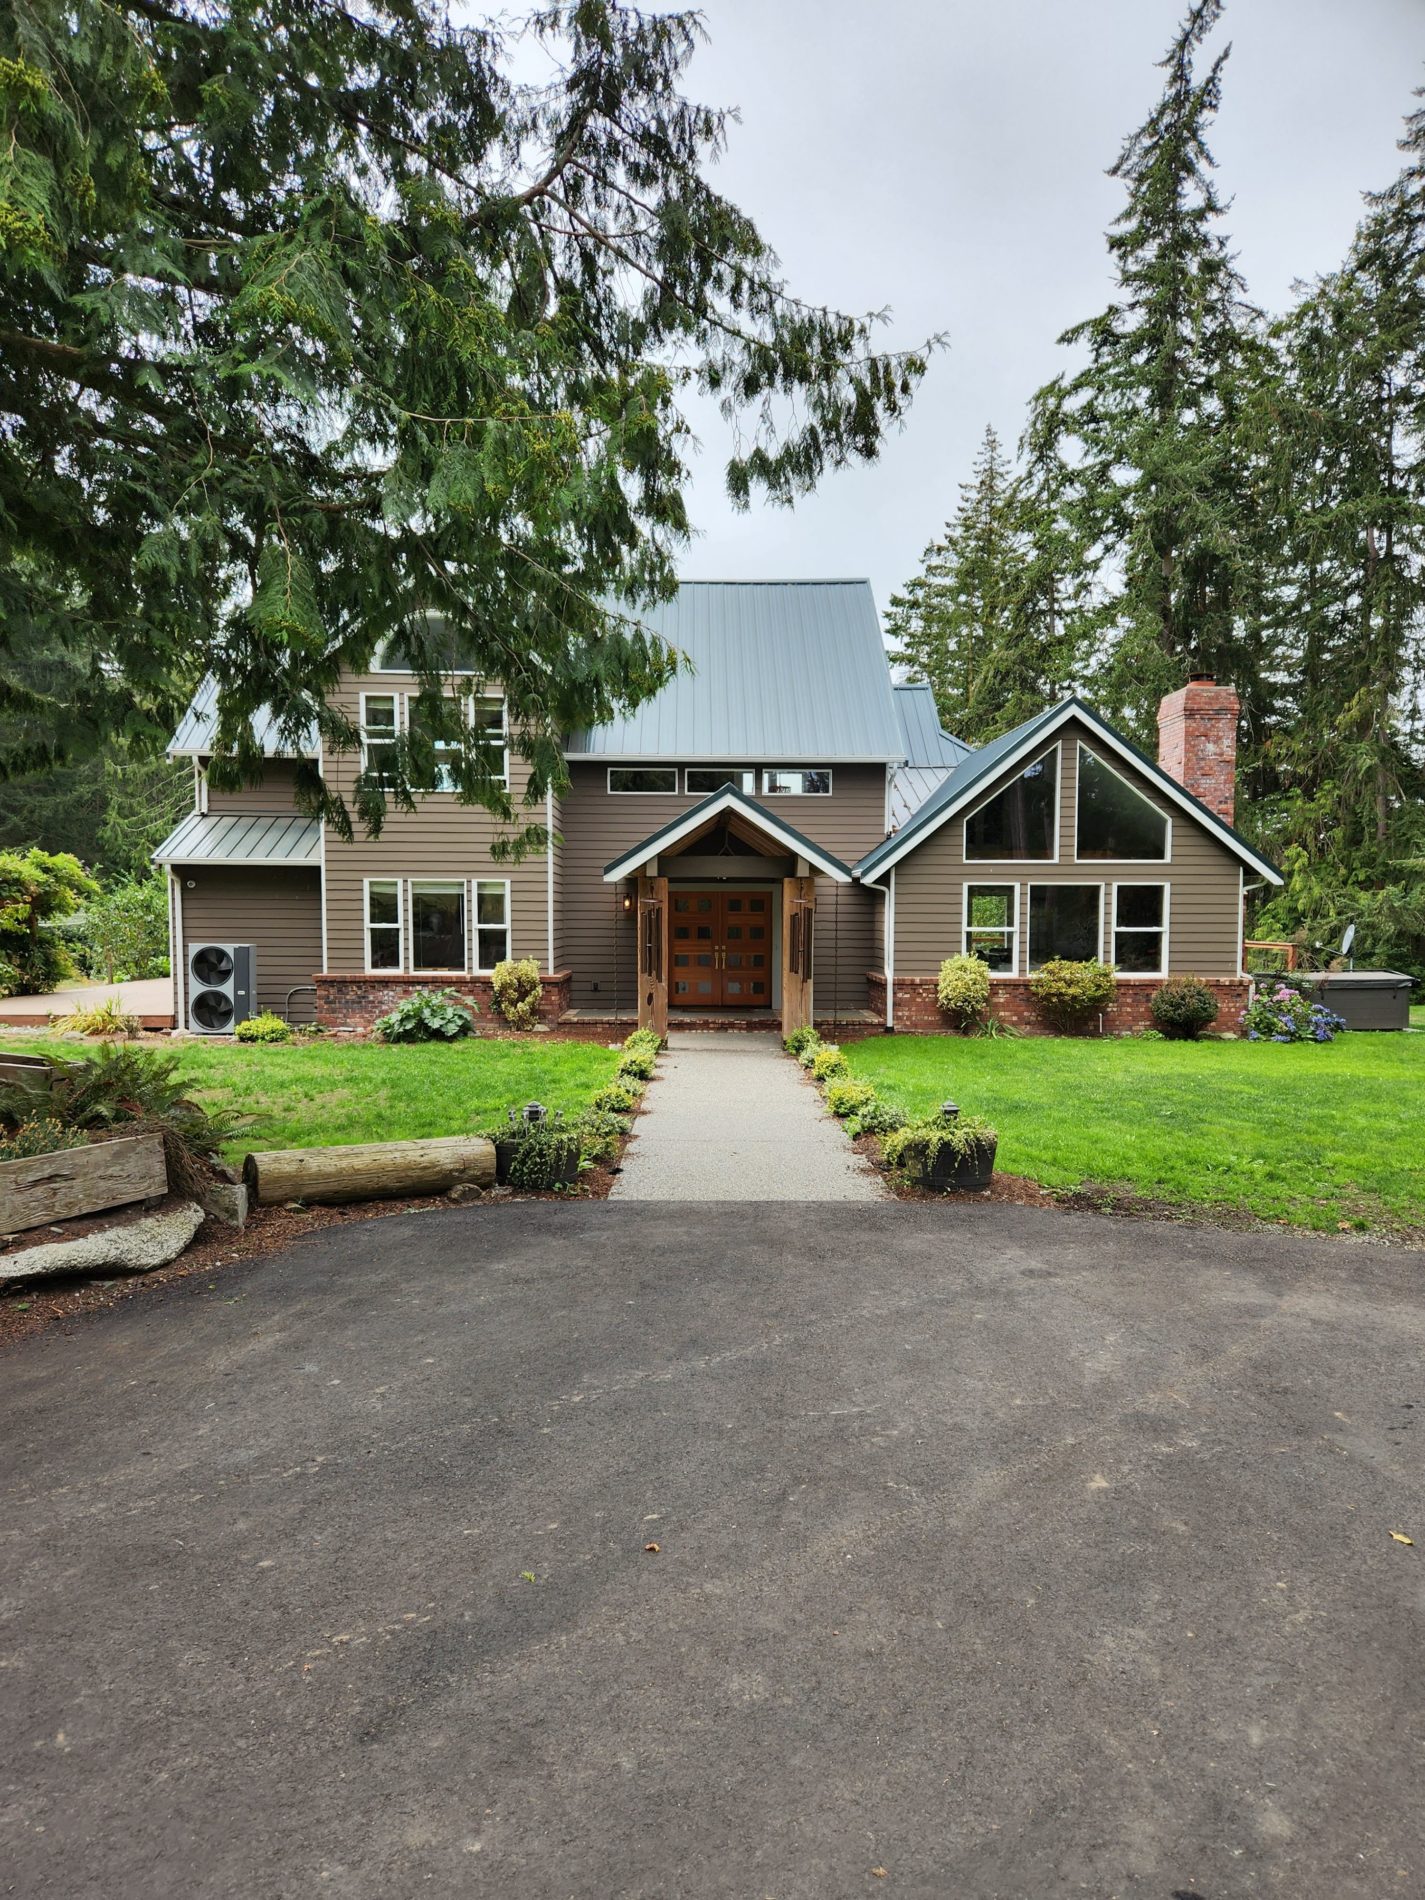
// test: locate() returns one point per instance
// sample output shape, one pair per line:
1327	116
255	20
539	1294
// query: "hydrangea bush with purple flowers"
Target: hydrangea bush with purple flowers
1285	1015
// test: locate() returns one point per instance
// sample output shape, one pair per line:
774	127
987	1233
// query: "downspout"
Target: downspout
175	910
549	884
891	955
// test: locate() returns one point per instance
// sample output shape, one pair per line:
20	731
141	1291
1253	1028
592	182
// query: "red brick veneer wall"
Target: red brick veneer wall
355	1001
918	1013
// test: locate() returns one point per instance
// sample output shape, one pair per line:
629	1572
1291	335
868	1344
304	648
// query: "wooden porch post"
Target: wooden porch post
653	954
798	932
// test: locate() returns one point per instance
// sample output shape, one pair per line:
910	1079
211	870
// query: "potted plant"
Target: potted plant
946	1152
535	1150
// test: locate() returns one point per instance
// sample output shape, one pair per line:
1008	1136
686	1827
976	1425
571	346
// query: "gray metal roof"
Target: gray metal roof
910	786
783	671
194	737
926	740
275	838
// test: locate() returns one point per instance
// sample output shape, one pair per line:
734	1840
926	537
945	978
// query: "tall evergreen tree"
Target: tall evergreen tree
981	622
1153	432
318	320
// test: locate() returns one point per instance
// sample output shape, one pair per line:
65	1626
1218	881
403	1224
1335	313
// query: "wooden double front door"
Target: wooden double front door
720	949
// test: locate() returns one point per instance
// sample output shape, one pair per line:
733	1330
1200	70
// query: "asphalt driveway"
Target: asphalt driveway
1010	1553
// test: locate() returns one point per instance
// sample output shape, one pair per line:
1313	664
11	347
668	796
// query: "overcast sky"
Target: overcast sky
947	158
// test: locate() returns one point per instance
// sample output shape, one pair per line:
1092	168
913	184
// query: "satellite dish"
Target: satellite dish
1348	940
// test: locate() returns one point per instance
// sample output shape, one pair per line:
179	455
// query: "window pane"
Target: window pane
437	928
381	713
1139	906
643	778
1138	950
1114	820
487	716
492	947
992	906
1019	821
385	948
490	903
1063	922
382	904
424	734
797	782
712	778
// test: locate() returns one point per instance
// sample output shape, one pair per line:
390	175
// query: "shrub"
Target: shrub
42	1136
266	1027
124	933
844	1096
616	1098
1067	993
799	1039
516	988
600	1131
917	1144
963	989
876	1118
637	1062
137	1090
541	1149
38	890
104	1019
1183	1007
647	1040
428	1016
827	1061
1282	1014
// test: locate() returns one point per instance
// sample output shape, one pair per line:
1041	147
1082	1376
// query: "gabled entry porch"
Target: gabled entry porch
726	913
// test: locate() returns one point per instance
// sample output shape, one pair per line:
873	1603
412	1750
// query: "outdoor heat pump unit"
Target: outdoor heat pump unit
222	982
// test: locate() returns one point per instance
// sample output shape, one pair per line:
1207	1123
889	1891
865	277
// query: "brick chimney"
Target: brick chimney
1197	741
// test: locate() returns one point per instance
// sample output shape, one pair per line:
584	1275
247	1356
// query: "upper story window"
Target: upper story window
779	781
1115	820
1022	820
490	718
643	778
702	779
387	717
380	729
442	776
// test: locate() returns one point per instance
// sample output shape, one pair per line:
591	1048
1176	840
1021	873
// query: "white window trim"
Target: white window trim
474	926
1055	884
619	792
740	772
446	884
399	926
488	693
1141	930
979	863
997	883
1166	817
770	770
396	732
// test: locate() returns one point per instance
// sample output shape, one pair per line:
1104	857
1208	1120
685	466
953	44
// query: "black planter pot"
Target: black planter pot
951	1173
566	1171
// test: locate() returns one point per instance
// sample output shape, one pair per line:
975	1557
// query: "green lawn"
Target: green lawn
320	1093
1318	1134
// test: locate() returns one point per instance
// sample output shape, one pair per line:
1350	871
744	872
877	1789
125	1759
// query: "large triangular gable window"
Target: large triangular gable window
1115	821
1018	822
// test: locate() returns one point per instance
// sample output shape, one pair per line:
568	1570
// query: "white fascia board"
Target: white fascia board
1160	781
698	816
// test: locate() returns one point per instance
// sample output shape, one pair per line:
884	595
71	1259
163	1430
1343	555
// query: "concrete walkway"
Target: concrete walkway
150	999
730	1117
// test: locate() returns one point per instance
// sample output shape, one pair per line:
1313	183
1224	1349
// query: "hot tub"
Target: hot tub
1366	999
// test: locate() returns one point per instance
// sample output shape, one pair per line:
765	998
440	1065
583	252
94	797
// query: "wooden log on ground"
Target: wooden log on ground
369	1171
76	1181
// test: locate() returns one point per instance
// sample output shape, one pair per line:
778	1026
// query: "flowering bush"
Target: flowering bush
1285	1015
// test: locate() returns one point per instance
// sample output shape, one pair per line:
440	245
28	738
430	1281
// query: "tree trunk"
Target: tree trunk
369	1171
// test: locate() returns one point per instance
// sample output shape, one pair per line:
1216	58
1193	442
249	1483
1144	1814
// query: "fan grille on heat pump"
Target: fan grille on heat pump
211	965
212	1009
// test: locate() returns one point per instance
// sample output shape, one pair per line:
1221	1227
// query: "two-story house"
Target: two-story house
781	832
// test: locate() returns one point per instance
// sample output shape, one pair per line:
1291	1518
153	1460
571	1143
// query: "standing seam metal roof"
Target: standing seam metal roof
198	725
783	671
274	838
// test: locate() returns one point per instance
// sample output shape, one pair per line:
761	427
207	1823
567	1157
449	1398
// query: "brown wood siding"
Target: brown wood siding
597	825
275	791
278	912
440	839
1203	877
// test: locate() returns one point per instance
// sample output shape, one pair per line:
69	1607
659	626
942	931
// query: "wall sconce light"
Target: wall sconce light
627	899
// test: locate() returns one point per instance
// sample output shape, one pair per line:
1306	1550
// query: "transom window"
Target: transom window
492	922
992	925
438	926
1065	920
383	924
796	781
643	778
1018	822
702	779
1140	929
1115	820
